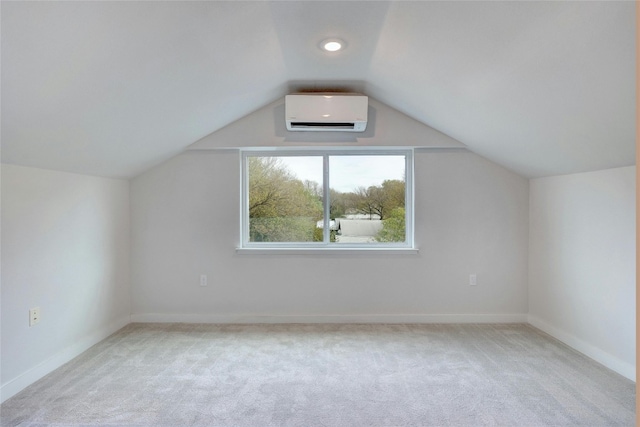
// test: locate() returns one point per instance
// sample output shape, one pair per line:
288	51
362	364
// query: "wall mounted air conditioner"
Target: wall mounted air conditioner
338	112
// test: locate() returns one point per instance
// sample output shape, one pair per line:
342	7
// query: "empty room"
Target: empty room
318	213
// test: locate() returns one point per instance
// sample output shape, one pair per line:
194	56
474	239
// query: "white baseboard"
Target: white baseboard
338	318
17	384
615	364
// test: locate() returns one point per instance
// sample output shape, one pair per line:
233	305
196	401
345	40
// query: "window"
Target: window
327	199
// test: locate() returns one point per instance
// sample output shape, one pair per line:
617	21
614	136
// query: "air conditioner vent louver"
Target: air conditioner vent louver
341	112
338	126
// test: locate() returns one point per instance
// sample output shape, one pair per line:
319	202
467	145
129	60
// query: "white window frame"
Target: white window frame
300	248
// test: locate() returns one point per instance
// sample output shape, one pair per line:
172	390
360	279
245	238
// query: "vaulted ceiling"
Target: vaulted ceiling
113	88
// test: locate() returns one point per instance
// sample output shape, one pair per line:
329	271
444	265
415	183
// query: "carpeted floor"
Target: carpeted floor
326	375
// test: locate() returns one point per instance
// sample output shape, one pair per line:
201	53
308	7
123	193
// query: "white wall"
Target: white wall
65	249
471	217
582	263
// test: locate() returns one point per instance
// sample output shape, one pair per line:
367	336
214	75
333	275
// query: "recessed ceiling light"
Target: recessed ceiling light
332	45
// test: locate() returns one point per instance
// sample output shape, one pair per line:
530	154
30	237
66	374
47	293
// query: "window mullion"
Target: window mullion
244	201
326	214
408	198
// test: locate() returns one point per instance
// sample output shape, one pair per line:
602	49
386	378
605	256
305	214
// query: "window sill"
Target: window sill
327	251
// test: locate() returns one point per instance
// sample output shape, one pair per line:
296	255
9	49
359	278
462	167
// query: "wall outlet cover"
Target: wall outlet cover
34	316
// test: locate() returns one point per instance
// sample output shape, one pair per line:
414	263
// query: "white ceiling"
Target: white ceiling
113	88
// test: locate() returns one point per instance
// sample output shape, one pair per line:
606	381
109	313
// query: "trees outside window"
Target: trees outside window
282	208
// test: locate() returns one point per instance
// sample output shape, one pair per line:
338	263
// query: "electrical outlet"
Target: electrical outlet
203	280
472	280
34	316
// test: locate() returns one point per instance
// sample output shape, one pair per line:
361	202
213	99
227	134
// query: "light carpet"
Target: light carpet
326	375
